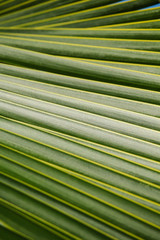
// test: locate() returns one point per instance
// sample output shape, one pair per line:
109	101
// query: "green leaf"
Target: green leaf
148	34
132	16
73	50
79	120
119	7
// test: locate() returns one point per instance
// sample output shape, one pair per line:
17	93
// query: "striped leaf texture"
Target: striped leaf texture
80	120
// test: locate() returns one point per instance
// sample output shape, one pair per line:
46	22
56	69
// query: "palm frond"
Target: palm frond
79	120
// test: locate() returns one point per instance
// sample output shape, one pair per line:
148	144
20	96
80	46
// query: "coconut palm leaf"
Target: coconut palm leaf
79	120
